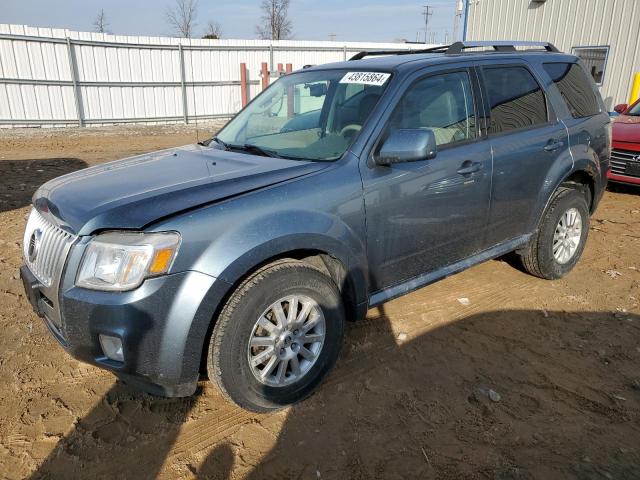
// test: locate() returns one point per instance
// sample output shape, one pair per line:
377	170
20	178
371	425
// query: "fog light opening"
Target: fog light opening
112	347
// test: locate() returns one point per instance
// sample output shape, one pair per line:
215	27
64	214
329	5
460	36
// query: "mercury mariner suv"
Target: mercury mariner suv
340	187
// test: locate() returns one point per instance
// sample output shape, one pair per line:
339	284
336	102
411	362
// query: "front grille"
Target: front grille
45	248
621	159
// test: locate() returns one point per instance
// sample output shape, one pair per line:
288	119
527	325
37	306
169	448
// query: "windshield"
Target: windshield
311	115
635	110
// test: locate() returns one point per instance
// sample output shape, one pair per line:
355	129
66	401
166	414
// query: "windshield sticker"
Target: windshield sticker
366	78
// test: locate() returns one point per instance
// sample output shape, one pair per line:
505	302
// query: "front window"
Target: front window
442	103
312	115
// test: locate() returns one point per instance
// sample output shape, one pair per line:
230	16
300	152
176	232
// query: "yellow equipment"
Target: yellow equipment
635	88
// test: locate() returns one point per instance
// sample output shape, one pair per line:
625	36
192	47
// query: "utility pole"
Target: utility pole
457	19
428	11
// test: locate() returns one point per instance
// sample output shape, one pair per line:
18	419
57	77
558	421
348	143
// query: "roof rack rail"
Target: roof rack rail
499	46
410	51
459	47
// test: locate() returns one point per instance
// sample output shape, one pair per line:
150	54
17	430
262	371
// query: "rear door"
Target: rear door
527	140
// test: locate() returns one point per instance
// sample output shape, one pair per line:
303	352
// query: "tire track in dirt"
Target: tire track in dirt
81	377
207	431
84	374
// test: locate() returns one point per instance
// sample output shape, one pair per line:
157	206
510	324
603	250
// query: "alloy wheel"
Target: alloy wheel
566	238
286	340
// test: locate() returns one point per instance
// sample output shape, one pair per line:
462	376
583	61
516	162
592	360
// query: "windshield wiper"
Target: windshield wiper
249	147
271	153
294	157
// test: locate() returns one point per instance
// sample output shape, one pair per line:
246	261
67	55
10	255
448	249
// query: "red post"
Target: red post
289	68
244	88
280	69
265	75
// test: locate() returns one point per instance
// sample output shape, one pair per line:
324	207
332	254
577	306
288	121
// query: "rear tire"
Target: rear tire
561	237
260	312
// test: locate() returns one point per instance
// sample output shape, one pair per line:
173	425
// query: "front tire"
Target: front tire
561	237
277	336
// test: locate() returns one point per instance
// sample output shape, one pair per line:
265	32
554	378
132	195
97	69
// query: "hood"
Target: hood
626	128
134	192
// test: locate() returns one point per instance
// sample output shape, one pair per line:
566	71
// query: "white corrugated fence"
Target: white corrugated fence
56	77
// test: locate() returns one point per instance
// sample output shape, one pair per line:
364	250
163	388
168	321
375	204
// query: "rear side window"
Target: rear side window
516	99
574	86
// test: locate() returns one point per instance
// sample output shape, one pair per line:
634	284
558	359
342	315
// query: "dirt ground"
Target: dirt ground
488	374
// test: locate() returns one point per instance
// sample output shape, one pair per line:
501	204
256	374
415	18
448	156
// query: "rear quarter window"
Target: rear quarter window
575	88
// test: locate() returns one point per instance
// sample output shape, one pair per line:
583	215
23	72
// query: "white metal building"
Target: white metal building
604	33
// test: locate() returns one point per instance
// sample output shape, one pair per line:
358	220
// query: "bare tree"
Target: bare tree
100	24
213	31
182	17
276	24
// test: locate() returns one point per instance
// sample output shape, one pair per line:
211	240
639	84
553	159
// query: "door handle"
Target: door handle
469	167
553	145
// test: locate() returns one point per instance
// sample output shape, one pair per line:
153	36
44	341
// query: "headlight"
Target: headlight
122	260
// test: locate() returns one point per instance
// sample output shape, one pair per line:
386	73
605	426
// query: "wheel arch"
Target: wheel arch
584	181
348	276
582	177
231	243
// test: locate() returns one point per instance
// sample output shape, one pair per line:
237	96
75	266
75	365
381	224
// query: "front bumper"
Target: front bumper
162	324
623	178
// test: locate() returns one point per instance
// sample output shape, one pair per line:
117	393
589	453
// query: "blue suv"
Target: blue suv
339	188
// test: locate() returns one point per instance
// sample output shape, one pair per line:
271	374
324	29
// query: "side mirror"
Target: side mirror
621	108
407	145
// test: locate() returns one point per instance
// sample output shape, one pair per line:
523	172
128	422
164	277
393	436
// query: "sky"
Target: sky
353	20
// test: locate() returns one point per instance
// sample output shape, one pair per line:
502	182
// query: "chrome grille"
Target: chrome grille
621	158
45	247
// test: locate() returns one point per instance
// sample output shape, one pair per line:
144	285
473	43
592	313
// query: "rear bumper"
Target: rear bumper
162	325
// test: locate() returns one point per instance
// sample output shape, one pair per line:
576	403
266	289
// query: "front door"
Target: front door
425	215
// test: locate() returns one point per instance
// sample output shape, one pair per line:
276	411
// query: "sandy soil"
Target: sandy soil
526	379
